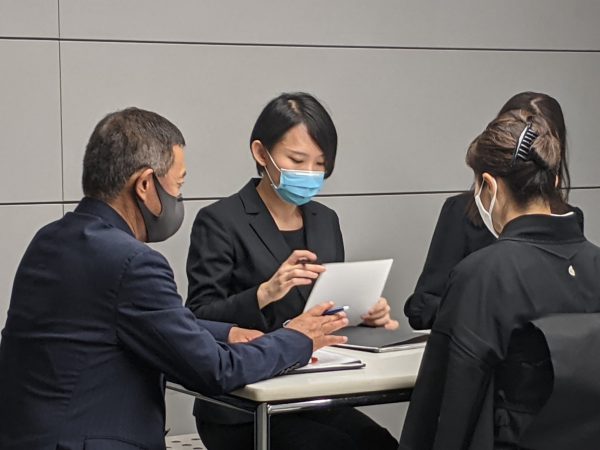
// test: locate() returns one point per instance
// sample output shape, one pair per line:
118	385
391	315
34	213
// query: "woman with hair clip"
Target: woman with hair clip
254	256
541	264
460	231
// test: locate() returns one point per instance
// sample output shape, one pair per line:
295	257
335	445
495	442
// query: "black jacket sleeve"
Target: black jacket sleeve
447	248
210	264
446	404
451	403
153	324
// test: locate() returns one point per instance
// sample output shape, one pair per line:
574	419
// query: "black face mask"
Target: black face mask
166	224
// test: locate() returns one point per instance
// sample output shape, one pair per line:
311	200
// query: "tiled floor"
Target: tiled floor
184	442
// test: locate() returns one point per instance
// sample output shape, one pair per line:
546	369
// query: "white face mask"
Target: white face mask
486	216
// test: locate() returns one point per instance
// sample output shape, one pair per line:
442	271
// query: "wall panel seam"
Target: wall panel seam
316	46
339	195
60	107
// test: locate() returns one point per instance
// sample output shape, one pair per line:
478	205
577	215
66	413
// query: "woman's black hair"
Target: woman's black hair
543	105
522	149
291	109
538	103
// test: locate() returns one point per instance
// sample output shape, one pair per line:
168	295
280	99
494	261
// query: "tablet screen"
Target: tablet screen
357	285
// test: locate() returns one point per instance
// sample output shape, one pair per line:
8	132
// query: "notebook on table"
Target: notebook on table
325	361
380	340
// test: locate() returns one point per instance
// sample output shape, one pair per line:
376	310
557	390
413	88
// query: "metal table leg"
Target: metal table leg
262	411
262	418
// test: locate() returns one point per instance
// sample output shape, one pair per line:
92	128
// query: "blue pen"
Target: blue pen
335	310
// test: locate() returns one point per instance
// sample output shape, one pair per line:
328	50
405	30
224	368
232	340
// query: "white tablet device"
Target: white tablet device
357	285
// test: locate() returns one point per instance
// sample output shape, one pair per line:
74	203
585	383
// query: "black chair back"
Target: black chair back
570	419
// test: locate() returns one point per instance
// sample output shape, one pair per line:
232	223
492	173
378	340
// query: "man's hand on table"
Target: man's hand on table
318	327
239	335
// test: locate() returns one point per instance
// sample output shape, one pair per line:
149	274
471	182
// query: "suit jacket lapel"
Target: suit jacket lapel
314	241
311	230
262	223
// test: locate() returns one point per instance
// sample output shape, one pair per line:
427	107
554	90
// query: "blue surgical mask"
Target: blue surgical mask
297	186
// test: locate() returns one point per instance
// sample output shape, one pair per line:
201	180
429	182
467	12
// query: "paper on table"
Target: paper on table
327	361
355	284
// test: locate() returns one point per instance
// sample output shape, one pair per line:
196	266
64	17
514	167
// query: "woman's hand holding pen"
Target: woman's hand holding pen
379	316
298	270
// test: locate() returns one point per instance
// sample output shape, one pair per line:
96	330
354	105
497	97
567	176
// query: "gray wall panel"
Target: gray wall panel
29	18
30	122
19	225
429	23
398	227
390	416
589	200
404	117
180	419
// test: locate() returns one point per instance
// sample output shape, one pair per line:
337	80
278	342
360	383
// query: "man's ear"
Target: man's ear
143	183
556	181
259	152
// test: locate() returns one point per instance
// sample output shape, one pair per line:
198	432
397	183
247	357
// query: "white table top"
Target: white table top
383	371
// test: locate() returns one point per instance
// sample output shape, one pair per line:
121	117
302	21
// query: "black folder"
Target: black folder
380	340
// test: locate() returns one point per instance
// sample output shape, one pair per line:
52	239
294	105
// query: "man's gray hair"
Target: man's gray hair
123	143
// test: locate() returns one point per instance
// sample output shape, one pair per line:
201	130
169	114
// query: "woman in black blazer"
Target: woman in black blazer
460	230
254	256
485	376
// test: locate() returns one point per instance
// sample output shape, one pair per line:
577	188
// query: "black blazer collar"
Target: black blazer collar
311	228
98	208
263	224
543	228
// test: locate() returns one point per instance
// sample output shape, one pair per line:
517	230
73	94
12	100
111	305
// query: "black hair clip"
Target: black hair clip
523	149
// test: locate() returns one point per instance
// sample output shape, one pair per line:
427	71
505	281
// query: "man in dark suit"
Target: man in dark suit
95	320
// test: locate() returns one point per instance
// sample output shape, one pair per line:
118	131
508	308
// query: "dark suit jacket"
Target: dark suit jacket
541	265
455	237
94	322
235	246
